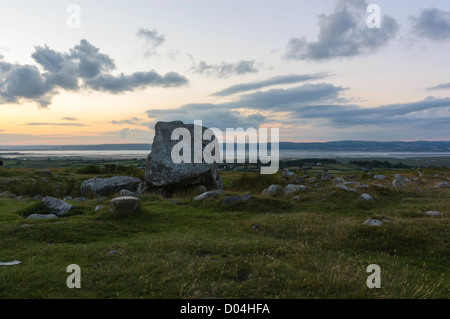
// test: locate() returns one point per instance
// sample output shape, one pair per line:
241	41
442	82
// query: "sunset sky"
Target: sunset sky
95	72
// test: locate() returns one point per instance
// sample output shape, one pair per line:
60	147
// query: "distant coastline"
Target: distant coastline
343	146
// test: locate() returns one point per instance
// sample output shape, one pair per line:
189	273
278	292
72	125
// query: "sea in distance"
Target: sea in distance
283	154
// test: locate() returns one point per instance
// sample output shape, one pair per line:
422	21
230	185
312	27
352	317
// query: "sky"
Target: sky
97	72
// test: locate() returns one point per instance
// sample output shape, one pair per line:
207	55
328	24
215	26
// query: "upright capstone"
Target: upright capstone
162	172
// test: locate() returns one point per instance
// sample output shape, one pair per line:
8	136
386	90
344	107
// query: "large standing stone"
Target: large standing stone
109	186
125	205
163	173
56	206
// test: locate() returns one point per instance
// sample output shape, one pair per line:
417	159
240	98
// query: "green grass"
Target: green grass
313	248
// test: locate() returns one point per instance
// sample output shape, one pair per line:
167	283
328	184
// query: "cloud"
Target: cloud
121	83
402	115
153	39
211	116
278	80
287	99
343	33
69	118
432	24
225	69
133	121
247	110
443	86
82	67
54	124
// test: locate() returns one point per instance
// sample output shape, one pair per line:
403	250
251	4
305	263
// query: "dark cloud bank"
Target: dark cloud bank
82	67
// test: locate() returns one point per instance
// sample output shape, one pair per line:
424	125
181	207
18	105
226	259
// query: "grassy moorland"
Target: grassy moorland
271	247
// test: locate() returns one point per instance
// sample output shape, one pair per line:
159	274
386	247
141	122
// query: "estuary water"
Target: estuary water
284	154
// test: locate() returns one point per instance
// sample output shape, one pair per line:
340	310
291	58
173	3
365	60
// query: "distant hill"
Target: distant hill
366	146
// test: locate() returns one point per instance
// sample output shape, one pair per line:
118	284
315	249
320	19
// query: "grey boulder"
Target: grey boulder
56	206
109	186
272	190
292	189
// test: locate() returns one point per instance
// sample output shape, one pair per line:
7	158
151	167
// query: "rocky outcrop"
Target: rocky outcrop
108	186
162	172
56	206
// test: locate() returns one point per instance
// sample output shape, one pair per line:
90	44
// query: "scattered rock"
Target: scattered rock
443	185
124	205
326	176
56	206
42	216
292	189
379	177
398	182
210	194
433	213
272	190
109	186
346	188
111	253
99	207
373	222
256	226
296	198
237	199
338	180
312	180
142	188
162	172
10	263
8	194
81	199
37	197
67	198
365	197
386	220
287	175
